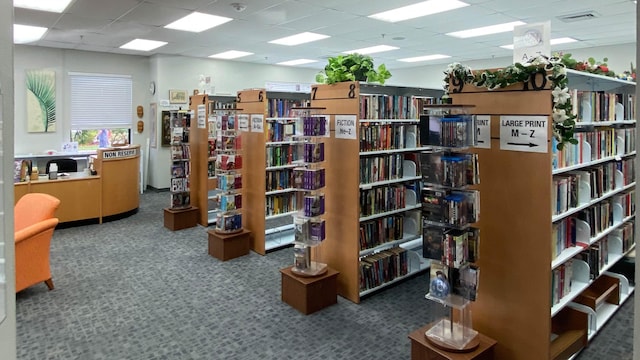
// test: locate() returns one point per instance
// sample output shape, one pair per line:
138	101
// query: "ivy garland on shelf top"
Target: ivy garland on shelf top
539	70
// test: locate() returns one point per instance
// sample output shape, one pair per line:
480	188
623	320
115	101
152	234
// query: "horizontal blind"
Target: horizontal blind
100	101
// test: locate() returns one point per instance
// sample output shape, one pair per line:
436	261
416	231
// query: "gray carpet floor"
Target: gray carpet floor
131	289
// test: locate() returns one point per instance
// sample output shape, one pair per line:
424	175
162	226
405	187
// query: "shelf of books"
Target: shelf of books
588	228
204	190
271	156
373	184
180	160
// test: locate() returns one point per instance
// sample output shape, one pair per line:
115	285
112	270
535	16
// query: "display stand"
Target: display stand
309	294
228	246
180	214
424	349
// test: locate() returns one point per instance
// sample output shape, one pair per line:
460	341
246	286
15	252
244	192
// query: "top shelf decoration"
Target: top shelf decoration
552	69
352	67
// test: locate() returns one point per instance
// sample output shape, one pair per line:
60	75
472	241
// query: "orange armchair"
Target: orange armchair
34	223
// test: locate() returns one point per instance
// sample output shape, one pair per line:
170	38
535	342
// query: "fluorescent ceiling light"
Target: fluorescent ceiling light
23	34
297	62
425	58
231	54
56	6
486	30
418	10
298	39
198	22
143	45
372	49
557	41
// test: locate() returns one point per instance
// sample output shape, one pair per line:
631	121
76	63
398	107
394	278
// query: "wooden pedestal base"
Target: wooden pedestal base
423	349
309	294
225	246
180	218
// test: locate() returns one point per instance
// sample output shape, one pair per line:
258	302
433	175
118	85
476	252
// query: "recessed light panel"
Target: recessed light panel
557	41
143	45
231	54
486	30
23	34
425	58
418	10
298	39
56	6
198	22
297	62
372	49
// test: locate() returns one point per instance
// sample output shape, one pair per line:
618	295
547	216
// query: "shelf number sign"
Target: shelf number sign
243	122
257	123
346	127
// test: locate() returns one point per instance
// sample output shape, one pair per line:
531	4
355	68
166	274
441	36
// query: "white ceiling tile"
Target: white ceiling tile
224	7
156	15
370	7
284	12
123	29
318	21
112	9
57	44
183	4
35	18
74	22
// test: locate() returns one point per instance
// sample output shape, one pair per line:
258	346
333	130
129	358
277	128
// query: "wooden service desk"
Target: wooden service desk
113	191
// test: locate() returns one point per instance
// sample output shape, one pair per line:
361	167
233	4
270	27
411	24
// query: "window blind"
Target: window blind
101	101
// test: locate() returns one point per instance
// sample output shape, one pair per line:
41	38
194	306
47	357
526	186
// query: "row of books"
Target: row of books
280	155
180	152
628	169
282	107
227	182
456	208
180	184
390	106
279	179
179	135
230	202
384	266
450	169
228	142
280	130
627	201
382	199
599	216
379	231
597	256
627	234
454	131
603	143
462	281
381	168
308	179
314	125
563	235
309	231
228	221
595	106
561	281
180	200
280	204
180	169
565	191
313	204
228	162
375	136
452	247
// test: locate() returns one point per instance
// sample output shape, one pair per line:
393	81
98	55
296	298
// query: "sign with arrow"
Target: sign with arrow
524	133
483	131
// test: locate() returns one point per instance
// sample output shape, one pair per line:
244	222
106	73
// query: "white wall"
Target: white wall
183	73
431	76
65	61
8	325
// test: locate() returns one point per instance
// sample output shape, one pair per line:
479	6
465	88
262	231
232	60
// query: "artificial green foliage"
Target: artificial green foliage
352	67
42	86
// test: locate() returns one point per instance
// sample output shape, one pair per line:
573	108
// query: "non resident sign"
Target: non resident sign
483	131
202	119
346	127
524	133
115	154
257	123
243	122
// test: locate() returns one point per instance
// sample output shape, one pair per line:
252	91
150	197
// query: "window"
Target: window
101	109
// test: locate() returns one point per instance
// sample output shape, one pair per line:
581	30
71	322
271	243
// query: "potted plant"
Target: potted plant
352	67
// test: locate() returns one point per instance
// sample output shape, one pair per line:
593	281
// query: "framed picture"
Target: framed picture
166	128
177	96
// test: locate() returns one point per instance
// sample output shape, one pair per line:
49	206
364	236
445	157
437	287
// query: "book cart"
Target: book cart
180	214
449	208
202	139
269	162
556	220
374	215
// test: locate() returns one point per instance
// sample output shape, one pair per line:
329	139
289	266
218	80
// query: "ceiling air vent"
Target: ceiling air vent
585	15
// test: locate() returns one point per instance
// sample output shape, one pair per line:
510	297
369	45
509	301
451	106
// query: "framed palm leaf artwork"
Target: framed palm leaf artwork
41	100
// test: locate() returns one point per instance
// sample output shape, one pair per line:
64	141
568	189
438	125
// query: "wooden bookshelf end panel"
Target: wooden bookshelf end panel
570	328
228	246
422	349
309	294
180	219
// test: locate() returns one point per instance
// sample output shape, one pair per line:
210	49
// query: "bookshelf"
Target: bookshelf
180	160
545	268
269	162
358	113
202	139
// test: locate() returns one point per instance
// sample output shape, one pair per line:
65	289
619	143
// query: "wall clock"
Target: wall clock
152	87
